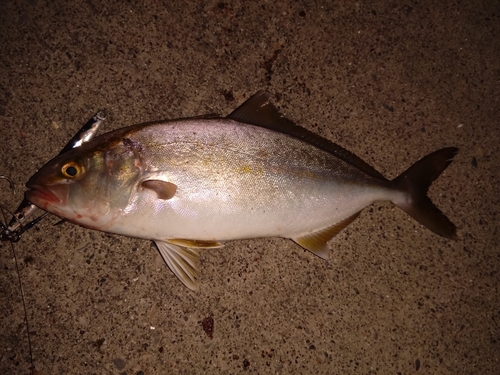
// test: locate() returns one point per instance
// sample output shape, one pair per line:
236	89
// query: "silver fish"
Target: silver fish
191	184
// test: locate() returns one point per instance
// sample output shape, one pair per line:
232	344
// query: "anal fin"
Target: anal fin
316	242
184	262
195	244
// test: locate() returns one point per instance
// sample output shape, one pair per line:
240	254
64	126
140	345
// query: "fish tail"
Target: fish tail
415	182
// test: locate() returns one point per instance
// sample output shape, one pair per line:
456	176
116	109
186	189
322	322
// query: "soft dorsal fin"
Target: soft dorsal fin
259	111
316	242
184	263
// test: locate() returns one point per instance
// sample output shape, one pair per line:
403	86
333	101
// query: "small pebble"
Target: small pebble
208	326
119	363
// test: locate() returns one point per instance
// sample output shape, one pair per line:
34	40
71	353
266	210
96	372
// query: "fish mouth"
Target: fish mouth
40	195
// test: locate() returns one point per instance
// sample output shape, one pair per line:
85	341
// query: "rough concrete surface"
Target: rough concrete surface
390	81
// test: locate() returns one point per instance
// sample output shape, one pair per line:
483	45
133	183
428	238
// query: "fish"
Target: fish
194	183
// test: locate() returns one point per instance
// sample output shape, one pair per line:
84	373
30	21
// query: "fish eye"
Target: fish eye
71	170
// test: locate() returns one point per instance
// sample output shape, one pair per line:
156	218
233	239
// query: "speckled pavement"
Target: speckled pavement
390	82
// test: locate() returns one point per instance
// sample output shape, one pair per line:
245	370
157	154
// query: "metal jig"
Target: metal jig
20	221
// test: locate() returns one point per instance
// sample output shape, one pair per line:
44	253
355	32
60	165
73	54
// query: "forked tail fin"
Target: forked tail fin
415	181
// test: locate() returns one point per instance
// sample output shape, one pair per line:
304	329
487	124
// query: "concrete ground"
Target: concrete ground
390	81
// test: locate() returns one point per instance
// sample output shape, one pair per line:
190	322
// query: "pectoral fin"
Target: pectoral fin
164	189
316	242
184	262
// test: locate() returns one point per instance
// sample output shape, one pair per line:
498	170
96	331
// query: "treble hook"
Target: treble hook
11	183
12	187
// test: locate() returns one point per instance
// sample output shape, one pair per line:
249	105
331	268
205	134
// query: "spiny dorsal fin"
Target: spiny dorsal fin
184	263
207	116
316	242
259	111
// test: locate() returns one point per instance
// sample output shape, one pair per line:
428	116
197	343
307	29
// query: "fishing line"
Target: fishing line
4	210
25	309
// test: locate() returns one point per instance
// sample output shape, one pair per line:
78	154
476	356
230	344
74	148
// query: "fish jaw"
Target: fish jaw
54	199
47	197
48	188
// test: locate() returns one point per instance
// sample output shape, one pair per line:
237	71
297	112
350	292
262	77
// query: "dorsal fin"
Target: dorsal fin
259	111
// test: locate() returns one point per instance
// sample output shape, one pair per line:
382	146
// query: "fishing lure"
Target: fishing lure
20	221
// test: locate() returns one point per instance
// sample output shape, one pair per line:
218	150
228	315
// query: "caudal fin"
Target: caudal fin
415	181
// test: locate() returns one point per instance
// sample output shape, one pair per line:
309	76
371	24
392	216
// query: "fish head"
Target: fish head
89	185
